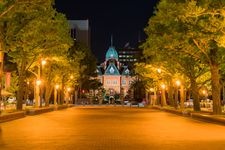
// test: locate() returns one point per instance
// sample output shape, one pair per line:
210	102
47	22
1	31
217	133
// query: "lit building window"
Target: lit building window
108	82
123	82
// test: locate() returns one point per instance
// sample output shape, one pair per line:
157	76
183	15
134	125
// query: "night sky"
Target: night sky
124	19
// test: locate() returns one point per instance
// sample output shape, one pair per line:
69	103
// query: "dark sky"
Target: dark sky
124	19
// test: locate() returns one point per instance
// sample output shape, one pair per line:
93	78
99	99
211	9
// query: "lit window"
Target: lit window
123	82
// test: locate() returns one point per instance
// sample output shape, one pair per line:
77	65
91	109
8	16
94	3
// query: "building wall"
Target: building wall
129	55
112	82
125	83
80	31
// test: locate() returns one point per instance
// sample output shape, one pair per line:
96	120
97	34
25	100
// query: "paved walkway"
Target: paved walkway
110	128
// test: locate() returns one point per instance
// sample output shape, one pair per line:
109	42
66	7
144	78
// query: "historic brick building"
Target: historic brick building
114	76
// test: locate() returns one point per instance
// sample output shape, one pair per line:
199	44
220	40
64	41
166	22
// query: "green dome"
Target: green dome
111	53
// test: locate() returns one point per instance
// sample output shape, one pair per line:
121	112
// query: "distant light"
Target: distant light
43	62
56	86
159	70
163	86
178	83
151	89
204	92
38	82
68	89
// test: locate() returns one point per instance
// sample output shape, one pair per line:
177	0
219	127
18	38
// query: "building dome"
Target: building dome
111	53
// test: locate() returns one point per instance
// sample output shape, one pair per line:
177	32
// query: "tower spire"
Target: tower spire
111	40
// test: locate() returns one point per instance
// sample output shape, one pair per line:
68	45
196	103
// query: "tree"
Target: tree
86	64
138	87
194	30
35	31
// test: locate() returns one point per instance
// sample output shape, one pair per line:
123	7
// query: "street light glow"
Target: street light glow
178	83
159	70
204	92
38	82
43	62
151	89
56	86
163	86
68	89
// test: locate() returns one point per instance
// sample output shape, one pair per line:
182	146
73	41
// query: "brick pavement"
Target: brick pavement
110	128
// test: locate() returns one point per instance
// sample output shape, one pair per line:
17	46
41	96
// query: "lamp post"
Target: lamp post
68	96
43	62
55	94
163	101
1	72
37	92
178	83
159	95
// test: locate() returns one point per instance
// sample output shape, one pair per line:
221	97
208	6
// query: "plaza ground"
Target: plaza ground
110	128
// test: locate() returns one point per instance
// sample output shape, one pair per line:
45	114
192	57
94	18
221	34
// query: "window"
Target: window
123	82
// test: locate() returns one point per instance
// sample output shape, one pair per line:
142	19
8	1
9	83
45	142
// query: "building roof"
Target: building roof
98	70
112	70
126	71
111	53
79	24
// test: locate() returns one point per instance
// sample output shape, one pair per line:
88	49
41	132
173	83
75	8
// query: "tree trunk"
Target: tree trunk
62	93
176	98
194	90
163	98
1	70
170	95
182	97
215	89
21	90
48	92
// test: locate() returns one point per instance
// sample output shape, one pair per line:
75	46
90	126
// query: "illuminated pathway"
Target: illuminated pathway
110	128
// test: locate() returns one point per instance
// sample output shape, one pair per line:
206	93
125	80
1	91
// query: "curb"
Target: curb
12	116
209	118
36	111
30	112
203	116
177	112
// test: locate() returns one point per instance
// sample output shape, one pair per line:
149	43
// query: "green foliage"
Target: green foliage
33	30
188	37
84	63
138	87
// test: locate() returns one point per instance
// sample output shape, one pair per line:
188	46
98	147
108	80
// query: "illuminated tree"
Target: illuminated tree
185	34
34	30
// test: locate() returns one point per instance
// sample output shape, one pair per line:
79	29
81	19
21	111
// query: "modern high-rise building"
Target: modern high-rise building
129	55
80	31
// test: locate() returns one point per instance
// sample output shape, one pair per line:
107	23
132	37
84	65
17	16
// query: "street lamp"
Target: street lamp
43	62
69	97
71	77
55	94
159	70
163	98
178	83
37	91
